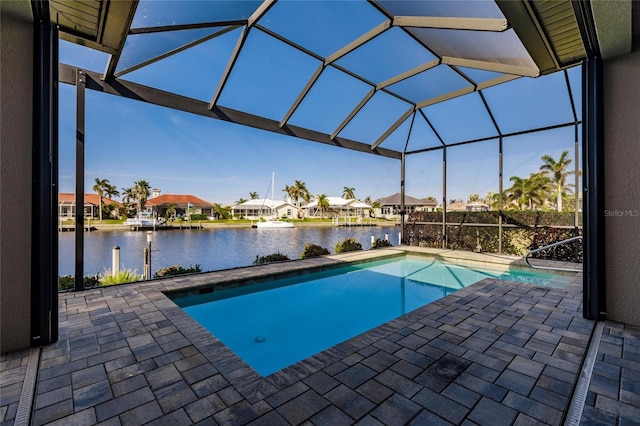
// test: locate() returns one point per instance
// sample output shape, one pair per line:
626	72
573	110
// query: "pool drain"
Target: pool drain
260	339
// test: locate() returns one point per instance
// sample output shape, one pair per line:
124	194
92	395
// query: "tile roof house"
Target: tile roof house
67	205
185	205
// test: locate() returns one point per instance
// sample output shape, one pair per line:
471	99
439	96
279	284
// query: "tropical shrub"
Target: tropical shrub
350	244
378	243
312	250
67	282
170	271
270	258
198	216
123	276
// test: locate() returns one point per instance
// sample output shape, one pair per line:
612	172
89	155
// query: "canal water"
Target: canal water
212	249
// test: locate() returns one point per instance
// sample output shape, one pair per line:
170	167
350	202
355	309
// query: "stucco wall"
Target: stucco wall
16	65
622	187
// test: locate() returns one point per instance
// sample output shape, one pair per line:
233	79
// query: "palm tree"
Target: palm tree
368	200
127	197
300	191
253	196
323	204
141	191
99	187
111	191
528	192
473	198
349	193
289	190
240	201
558	173
171	211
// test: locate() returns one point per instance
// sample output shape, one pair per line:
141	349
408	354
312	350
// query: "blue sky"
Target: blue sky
221	162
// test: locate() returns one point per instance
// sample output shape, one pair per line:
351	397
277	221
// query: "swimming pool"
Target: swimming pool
275	324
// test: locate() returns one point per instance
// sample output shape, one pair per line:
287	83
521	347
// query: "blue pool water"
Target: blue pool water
273	325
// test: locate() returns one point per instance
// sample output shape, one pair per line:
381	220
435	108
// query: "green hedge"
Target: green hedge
533	229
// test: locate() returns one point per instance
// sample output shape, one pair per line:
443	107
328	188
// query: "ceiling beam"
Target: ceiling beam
302	95
492	66
473	24
227	71
259	12
165	28
353	113
393	127
174	51
446	96
407	74
466	90
358	42
150	95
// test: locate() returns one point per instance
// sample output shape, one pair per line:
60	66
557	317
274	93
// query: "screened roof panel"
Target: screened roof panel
378	115
193	72
322	27
461	119
267	77
331	99
158	13
529	103
397	140
143	47
429	84
497	47
443	8
422	136
391	53
355	69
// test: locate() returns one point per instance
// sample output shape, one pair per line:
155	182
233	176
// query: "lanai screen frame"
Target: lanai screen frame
84	79
107	83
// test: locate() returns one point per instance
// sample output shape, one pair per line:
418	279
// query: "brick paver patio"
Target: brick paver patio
494	353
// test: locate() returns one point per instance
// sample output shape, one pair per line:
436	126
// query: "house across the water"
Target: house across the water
185	205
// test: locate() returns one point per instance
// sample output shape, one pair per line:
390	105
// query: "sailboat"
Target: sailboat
273	223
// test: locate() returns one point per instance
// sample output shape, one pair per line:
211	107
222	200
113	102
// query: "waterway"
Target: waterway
212	249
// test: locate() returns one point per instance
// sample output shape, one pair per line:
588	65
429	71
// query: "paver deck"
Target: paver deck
494	353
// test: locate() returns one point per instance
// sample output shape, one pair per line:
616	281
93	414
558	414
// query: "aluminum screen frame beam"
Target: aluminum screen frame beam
593	192
369	35
158	97
175	51
44	187
251	22
492	66
452	23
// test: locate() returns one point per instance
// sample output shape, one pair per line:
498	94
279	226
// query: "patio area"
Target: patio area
496	352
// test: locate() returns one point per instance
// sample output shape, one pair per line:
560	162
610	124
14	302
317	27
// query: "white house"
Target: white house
339	207
264	208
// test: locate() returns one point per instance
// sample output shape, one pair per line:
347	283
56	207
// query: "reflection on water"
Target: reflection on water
213	249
